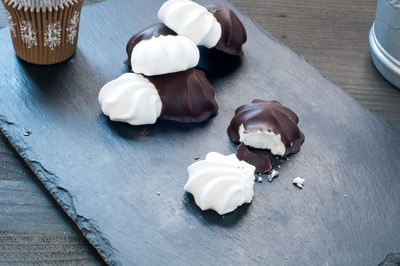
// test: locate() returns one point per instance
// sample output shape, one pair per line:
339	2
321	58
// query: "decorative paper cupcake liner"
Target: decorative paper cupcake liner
44	32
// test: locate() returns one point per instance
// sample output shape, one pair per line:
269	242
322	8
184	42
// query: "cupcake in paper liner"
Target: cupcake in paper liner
44	32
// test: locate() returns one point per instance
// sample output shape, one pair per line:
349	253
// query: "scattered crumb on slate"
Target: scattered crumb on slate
298	181
273	174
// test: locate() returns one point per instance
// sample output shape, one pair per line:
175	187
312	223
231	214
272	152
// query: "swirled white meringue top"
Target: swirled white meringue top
164	54
221	183
192	20
131	98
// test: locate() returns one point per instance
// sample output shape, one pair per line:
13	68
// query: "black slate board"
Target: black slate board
107	175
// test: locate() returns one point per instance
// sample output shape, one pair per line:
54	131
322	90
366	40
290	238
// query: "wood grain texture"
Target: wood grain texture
33	230
309	27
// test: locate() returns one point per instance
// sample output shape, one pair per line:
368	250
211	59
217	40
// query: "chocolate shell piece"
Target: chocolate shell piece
186	96
233	34
154	30
259	160
266	125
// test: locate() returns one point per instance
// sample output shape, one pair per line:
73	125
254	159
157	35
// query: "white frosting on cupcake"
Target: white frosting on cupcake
192	20
221	183
164	54
131	98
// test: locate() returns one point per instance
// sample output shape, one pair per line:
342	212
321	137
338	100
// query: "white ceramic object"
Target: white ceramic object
384	40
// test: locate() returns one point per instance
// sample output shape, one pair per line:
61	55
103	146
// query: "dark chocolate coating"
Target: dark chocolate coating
259	160
233	34
154	30
186	96
268	116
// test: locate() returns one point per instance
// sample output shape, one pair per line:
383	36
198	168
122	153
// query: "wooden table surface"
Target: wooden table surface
331	35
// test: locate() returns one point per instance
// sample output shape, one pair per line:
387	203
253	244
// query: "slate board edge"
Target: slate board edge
15	135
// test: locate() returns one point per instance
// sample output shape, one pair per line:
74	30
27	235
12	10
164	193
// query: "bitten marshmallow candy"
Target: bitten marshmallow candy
213	27
185	96
220	183
266	125
157	50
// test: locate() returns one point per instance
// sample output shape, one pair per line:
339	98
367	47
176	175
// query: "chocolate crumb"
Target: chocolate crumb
273	174
259	160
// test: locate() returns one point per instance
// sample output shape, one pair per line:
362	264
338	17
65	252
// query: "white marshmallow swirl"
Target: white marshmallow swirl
131	98
192	20
164	54
221	183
